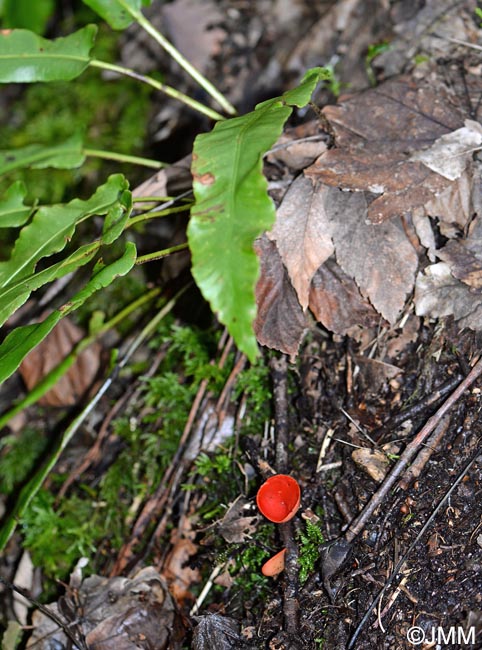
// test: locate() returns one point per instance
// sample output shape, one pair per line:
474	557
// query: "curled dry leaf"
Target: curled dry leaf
216	632
280	322
117	614
450	154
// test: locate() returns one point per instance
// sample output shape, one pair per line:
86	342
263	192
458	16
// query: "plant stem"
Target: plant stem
182	61
157	255
155	214
168	90
122	157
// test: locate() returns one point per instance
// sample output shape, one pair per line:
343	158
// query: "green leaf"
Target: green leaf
53	226
13	212
232	208
116	218
28	14
14	295
26	57
301	95
48	233
67	155
22	340
116	12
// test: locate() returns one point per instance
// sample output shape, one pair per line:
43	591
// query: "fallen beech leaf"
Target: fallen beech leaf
336	301
376	132
280	322
49	353
302	233
378	256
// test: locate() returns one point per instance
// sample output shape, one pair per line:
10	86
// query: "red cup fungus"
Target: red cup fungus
274	565
278	499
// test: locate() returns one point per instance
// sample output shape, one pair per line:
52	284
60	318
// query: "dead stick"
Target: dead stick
291	606
411	449
425	454
279	370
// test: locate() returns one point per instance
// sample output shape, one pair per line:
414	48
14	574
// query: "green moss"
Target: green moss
18	455
57	536
309	543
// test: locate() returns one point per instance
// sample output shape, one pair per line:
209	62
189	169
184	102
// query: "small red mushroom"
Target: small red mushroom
274	565
278	498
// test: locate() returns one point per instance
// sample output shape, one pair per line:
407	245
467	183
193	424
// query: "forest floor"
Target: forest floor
386	548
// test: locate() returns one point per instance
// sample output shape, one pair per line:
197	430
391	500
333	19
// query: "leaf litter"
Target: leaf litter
357	230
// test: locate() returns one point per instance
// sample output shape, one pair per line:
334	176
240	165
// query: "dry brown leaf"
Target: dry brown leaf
237	527
377	132
378	256
280	322
179	574
438	293
302	233
450	154
454	285
176	568
336	302
49	353
117	614
374	373
300	146
216	632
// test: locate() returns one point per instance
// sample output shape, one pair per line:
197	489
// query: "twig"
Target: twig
425	454
78	642
291	606
279	369
206	589
411	449
417	408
